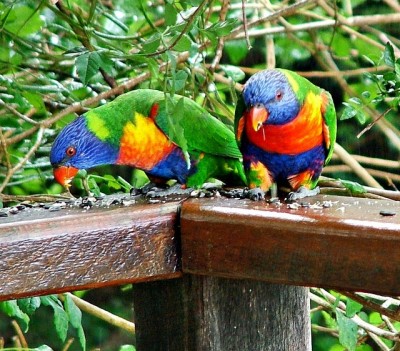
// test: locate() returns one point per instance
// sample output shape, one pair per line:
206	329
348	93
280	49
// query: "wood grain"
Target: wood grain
44	252
210	313
348	245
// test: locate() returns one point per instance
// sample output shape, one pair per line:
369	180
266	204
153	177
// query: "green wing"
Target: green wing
239	112
186	123
189	125
330	124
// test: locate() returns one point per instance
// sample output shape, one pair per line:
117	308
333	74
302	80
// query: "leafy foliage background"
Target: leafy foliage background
58	58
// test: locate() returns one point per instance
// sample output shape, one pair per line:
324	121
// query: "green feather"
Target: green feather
180	118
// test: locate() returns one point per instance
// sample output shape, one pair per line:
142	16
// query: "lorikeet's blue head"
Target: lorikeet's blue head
270	99
78	148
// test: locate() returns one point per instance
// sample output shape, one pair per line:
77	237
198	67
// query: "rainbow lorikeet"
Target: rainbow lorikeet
166	137
286	130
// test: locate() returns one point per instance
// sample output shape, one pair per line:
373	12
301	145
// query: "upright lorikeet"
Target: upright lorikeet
286	129
166	137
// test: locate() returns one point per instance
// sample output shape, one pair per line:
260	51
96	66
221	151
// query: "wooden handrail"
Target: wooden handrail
348	245
43	252
338	242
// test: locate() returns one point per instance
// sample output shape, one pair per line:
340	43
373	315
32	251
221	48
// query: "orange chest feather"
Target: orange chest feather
143	144
302	134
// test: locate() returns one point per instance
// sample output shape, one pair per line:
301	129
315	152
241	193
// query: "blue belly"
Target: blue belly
282	166
173	166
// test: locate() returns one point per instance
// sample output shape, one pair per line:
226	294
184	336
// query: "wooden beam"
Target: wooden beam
348	244
210	313
43	252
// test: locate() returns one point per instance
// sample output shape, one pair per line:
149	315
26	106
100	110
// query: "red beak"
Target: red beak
257	116
64	175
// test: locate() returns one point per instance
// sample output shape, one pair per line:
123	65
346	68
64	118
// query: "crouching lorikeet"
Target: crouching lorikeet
166	137
286	129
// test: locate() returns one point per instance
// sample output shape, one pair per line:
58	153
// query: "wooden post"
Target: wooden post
210	313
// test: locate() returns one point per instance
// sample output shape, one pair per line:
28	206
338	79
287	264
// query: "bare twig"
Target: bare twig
68	344
16	113
22	162
220	45
20	334
395	315
370	125
286	11
373	161
357	168
100	313
356	319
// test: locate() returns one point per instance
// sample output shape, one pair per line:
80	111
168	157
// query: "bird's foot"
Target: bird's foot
175	189
255	194
301	193
237	193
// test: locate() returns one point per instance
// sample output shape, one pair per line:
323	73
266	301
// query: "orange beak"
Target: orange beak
257	116
64	175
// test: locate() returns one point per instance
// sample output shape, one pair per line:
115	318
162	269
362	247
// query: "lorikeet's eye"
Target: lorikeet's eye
279	95
71	151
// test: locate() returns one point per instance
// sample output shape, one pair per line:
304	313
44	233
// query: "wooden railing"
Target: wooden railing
209	274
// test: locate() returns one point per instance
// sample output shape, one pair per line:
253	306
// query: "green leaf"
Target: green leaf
75	318
355	100
176	131
73	312
35	100
178	81
347	331
124	183
233	72
170	14
87	65
105	62
60	316
222	28
348	112
112	182
375	318
29	305
12	309
354	187
81	338
366	94
389	56
183	44
93	186
352	308
236	50
152	44
127	348
22	20
370	61
42	348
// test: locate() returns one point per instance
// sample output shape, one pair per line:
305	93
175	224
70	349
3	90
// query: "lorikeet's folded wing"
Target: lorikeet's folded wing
330	129
185	123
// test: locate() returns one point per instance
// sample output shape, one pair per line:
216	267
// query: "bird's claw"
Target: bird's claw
255	194
301	193
173	190
238	193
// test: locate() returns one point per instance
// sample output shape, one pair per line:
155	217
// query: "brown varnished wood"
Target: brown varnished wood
44	252
349	245
210	313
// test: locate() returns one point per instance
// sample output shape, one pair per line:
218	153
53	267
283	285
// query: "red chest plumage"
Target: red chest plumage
300	135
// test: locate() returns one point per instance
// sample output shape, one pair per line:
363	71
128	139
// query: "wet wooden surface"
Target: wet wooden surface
210	313
348	244
43	252
336	242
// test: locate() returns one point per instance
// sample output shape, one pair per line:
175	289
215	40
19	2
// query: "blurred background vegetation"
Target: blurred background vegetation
59	58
